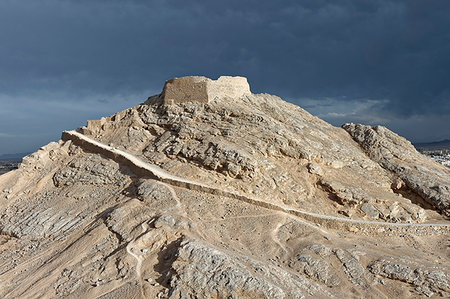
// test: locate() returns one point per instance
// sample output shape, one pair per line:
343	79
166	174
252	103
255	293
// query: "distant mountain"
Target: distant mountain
17	156
438	145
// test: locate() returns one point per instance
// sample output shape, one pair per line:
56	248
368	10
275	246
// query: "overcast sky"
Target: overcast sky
367	61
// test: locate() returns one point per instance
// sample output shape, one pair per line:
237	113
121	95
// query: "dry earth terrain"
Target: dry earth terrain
210	191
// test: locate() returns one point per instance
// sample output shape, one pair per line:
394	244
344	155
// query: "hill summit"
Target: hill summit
210	191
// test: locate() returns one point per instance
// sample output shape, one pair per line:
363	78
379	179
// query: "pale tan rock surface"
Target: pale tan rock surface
417	174
237	196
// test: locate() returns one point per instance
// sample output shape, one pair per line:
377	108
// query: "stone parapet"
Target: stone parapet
202	89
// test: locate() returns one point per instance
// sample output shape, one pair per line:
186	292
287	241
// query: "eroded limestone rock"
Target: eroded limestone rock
423	176
205	272
425	281
247	206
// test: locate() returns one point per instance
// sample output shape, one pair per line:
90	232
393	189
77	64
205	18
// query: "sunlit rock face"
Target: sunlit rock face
210	191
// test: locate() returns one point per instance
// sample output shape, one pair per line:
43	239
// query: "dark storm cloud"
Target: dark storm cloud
391	57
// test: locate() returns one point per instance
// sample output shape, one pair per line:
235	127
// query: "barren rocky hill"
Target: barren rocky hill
210	191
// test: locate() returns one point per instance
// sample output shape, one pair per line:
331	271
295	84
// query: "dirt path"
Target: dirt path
131	248
143	168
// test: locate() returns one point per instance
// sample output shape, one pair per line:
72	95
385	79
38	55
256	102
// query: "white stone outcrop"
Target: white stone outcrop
202	89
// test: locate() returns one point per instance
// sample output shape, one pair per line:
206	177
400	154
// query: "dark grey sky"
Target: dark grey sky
368	61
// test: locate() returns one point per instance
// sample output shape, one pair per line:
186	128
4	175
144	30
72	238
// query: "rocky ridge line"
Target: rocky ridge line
426	179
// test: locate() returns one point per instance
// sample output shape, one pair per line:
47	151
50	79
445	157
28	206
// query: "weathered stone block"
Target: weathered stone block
202	89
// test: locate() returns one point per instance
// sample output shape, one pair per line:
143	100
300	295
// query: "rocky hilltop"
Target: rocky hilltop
209	191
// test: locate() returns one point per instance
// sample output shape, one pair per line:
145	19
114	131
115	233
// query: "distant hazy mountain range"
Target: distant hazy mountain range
438	145
13	157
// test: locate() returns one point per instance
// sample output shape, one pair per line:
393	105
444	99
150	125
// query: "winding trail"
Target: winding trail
142	168
276	238
139	258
